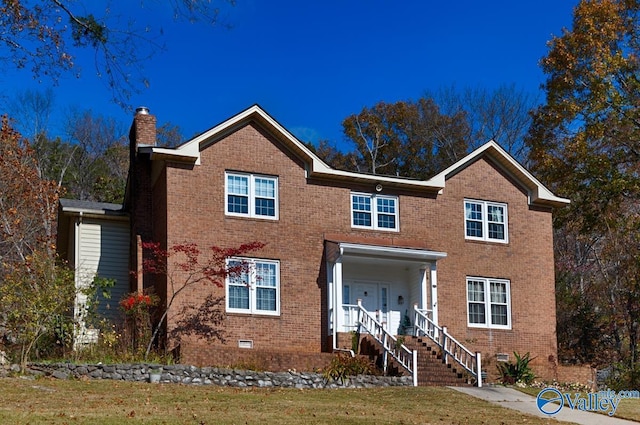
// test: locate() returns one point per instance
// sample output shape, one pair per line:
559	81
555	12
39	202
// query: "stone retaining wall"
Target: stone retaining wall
182	374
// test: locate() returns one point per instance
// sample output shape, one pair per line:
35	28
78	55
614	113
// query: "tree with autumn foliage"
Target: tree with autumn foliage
185	266
412	139
585	144
28	204
36	293
420	138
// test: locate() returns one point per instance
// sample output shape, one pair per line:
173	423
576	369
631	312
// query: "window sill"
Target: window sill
259	219
256	315
487	242
492	328
371	229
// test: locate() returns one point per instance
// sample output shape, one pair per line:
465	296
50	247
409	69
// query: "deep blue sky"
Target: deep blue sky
311	64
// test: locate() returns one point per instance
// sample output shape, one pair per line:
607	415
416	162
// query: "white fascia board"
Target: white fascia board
184	153
538	193
390	252
544	195
316	167
377	178
102	214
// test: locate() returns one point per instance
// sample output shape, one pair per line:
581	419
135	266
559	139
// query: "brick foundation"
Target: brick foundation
583	374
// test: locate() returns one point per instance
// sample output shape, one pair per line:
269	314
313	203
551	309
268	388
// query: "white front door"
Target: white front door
375	298
368	293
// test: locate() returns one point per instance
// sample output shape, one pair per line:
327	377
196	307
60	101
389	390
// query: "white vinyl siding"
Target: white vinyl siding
103	250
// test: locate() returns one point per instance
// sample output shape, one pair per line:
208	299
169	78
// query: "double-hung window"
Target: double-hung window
488	303
378	212
251	195
253	286
485	221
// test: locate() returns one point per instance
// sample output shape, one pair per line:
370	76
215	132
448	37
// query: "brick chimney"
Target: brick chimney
143	129
140	191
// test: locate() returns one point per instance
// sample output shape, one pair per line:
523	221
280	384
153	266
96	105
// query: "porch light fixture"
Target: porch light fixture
378	187
400	299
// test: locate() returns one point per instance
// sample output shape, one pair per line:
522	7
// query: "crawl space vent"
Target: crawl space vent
245	343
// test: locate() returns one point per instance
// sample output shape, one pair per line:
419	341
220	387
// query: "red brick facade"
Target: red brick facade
188	205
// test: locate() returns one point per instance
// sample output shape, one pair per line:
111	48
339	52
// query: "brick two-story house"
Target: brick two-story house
471	247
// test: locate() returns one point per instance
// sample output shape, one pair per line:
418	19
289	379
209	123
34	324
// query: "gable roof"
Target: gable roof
537	192
317	168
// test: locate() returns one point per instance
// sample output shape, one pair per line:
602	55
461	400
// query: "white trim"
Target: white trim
538	193
485	221
338	322
487	302
190	152
251	195
433	278
374	211
408	254
252	288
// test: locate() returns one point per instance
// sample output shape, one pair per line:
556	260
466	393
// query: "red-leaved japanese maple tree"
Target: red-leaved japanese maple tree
185	266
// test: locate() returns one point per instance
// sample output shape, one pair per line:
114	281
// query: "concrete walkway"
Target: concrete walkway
514	399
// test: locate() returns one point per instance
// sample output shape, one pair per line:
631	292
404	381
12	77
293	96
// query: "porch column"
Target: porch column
424	290
338	318
433	278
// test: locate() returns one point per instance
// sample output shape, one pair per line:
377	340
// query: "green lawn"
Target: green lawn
627	409
49	401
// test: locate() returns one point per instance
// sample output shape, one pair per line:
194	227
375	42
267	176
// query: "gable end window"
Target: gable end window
251	195
256	289
485	221
488	303
374	211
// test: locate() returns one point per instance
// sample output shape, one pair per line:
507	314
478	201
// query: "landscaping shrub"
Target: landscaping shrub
511	373
342	366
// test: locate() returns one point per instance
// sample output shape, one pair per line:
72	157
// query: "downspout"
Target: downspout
76	246
76	273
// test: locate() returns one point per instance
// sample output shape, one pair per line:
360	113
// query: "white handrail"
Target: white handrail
450	346
390	344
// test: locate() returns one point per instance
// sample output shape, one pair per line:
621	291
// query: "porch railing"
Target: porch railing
451	348
350	313
390	344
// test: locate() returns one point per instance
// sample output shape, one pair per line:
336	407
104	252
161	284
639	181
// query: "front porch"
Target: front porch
387	280
379	292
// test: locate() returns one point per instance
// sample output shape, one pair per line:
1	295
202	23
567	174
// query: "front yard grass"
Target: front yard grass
50	401
627	409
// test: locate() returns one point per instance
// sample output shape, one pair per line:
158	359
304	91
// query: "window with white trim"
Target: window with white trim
254	287
251	195
485	221
379	212
488	303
